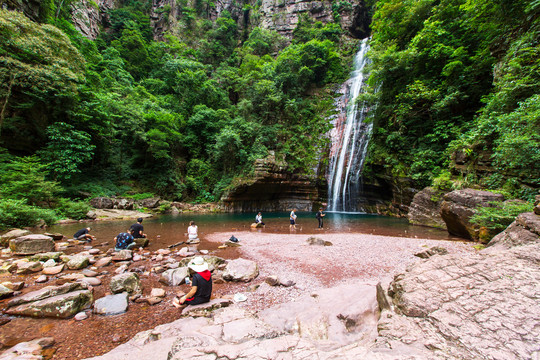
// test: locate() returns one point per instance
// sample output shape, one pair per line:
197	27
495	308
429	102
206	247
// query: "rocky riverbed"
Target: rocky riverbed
284	296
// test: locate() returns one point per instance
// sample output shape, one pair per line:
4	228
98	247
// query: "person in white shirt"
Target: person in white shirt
292	218
192	231
258	219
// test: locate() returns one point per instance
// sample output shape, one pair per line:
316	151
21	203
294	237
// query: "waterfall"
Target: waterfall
350	137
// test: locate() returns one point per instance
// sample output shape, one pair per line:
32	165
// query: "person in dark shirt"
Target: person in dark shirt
137	229
124	241
319	217
201	284
83	234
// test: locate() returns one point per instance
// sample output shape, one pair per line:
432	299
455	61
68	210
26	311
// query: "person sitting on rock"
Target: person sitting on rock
192	231
258	219
124	241
201	284
137	229
83	234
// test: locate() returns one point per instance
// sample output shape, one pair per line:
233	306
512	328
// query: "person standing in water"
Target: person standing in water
292	218
319	217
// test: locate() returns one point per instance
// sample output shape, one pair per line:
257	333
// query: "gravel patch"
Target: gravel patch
351	257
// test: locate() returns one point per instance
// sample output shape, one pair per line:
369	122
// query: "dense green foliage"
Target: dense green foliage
458	76
180	118
499	215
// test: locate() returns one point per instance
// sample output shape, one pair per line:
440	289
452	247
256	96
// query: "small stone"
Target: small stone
49	263
89	273
16	286
93	281
157	292
94	251
122	269
272	280
53	270
103	262
159	257
154	300
137	257
164	251
81	316
29	267
42	279
204	252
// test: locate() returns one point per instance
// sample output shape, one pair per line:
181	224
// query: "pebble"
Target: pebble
93	281
157	292
164	251
204	252
49	263
153	300
81	316
89	273
137	257
122	269
42	279
94	251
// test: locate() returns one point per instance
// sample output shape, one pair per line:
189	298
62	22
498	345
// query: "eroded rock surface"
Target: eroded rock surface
524	230
481	306
326	328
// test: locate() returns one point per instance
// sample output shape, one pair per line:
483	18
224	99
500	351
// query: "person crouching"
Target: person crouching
124	241
201	284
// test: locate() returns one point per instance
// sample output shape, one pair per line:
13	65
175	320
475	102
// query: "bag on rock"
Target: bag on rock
233	239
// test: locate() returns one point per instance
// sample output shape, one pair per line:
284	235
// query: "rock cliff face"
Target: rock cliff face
273	188
284	15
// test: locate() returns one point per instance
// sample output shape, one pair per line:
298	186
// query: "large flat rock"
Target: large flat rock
59	306
479	306
31	244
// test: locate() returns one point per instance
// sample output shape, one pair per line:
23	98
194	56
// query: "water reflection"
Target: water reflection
171	229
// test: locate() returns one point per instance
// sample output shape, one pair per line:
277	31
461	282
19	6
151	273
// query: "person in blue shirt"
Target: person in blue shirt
124	241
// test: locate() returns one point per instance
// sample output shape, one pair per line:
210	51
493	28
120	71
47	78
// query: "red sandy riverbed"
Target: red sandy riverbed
371	258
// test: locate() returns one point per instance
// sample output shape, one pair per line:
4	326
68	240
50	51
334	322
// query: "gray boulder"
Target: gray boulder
102	203
127	282
29	267
150	203
60	302
174	277
31	244
241	270
425	209
78	262
434	250
13	234
112	304
318	241
459	206
122	255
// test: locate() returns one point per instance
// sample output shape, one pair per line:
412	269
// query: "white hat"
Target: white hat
198	264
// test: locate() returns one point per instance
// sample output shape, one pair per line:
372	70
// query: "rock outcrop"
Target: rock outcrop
272	188
31	244
459	206
479	306
283	15
425	209
60	301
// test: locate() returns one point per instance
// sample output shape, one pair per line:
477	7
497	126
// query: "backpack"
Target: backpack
233	239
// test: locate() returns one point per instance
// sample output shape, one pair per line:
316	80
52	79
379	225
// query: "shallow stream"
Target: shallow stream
165	230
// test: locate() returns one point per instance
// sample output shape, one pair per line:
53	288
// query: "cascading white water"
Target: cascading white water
350	137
